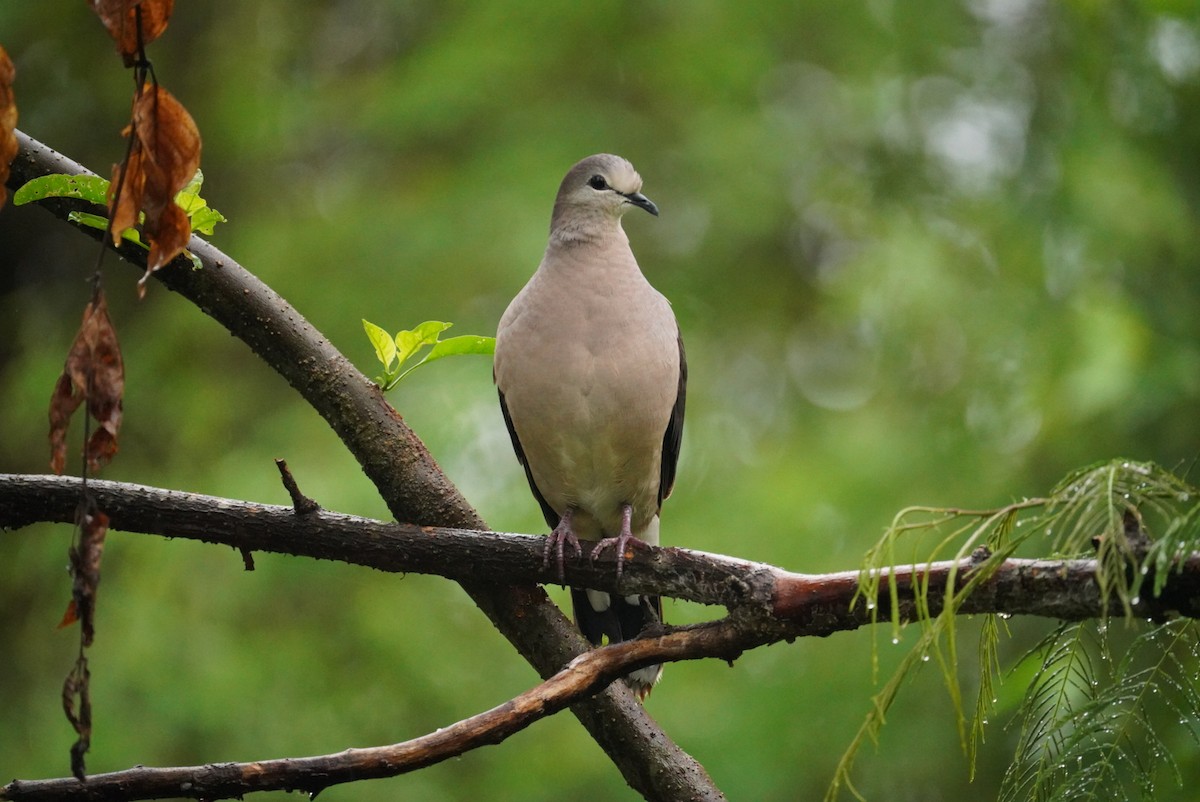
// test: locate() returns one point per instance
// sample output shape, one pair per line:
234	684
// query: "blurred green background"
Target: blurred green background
938	254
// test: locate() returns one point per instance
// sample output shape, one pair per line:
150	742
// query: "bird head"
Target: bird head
594	195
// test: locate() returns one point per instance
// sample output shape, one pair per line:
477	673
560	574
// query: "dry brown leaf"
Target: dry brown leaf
77	705
171	155
63	403
8	120
85	581
120	17
102	445
163	159
85	571
131	186
70	616
168	239
94	372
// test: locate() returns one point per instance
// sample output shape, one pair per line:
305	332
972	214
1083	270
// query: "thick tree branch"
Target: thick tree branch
407	477
403	548
774	603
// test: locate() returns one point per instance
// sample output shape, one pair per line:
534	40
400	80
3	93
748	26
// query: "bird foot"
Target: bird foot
562	536
620	542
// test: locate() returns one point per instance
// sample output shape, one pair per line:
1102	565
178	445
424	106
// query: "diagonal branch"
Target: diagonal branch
407	477
590	672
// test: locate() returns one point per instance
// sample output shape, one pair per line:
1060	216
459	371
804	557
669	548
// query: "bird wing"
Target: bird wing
547	511
673	438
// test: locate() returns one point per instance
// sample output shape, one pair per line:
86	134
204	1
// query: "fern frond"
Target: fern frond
937	632
1089	735
985	699
1110	511
1088	511
1065	677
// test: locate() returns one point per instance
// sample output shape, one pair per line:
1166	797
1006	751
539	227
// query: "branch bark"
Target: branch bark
407	477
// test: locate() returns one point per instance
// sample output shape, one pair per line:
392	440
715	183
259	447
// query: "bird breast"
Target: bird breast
590	392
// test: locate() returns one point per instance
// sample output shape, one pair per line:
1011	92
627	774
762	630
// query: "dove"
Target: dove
592	376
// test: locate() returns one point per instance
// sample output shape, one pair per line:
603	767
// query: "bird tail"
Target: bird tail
601	615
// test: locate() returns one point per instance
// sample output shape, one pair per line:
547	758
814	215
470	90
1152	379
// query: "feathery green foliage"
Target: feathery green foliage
1085	734
1090	723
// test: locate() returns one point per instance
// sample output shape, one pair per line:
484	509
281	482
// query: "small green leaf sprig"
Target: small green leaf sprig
396	353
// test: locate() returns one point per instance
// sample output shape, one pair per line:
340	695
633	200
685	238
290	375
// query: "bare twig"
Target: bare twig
301	503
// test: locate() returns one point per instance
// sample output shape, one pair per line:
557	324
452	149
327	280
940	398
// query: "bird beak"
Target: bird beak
642	202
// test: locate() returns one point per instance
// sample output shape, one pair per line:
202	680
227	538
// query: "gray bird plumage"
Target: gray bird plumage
591	374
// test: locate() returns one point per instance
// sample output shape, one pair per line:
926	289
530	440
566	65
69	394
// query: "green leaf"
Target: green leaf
89	220
91	188
193	186
413	340
202	216
385	348
430	330
205	218
455	346
94	189
464	344
190	202
101	222
408	343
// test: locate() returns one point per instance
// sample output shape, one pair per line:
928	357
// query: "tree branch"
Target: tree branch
776	604
590	672
407	477
768	605
460	554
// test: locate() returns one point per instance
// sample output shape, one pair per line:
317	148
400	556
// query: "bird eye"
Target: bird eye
597	182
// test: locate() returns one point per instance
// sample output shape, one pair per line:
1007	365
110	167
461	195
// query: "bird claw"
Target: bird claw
620	542
562	536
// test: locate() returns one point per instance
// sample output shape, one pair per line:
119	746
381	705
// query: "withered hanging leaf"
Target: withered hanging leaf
94	372
132	187
8	120
77	705
120	17
171	154
164	158
85	572
85	575
102	445
107	390
169	236
63	403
